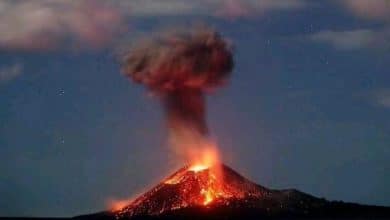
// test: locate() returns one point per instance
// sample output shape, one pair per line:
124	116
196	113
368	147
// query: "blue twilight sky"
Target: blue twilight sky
307	107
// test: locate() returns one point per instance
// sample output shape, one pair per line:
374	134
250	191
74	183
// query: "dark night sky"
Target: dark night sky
307	106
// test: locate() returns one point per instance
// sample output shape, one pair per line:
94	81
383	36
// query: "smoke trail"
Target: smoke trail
180	66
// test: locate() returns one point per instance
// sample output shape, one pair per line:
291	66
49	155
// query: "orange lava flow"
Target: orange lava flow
201	182
116	205
208	196
198	167
207	160
211	190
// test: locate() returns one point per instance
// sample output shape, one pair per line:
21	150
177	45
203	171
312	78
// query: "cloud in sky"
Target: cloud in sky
207	7
10	72
353	39
359	38
48	24
235	8
44	24
372	9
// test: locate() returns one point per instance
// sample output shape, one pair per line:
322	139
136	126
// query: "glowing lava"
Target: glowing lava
212	189
205	166
204	174
116	205
198	167
196	185
204	158
208	196
206	169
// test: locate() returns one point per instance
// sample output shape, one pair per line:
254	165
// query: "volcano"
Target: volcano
219	192
192	187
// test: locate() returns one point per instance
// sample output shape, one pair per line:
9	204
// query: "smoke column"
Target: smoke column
179	66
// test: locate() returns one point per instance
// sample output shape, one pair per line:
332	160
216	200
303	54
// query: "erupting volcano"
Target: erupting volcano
194	186
200	191
180	67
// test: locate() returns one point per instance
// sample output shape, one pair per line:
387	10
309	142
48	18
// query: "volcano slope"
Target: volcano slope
219	192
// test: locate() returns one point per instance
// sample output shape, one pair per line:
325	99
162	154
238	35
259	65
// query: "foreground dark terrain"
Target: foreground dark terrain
222	193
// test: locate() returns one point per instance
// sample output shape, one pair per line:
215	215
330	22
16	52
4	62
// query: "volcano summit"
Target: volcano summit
219	192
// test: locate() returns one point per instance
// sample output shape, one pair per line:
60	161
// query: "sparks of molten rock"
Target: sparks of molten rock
206	178
209	190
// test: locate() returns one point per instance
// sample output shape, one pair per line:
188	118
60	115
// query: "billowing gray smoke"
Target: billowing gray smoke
179	66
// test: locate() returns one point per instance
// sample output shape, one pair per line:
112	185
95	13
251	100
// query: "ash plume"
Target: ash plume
179	66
